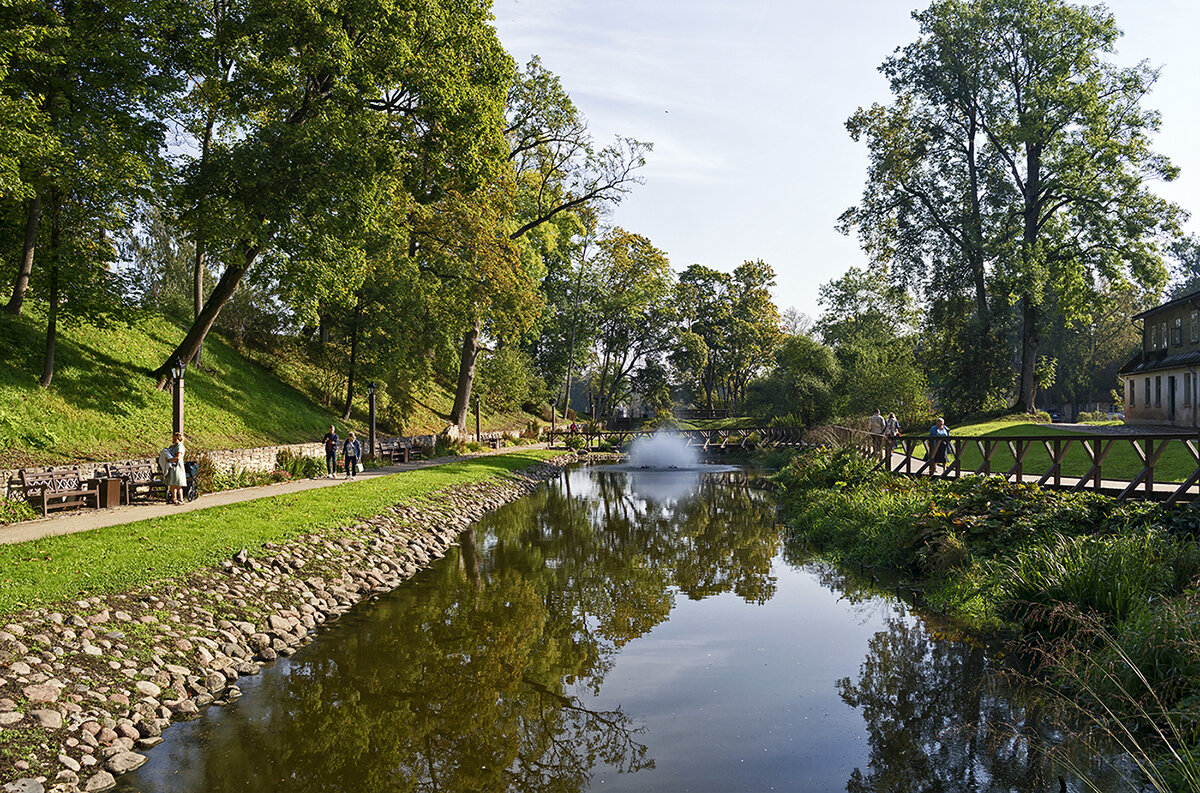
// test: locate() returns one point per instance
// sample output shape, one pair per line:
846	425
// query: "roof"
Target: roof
1190	297
1157	361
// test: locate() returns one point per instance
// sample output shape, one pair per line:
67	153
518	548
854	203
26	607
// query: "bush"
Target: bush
575	442
15	511
299	466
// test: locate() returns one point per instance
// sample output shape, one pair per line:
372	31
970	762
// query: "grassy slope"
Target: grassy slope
1175	465
116	558
101	405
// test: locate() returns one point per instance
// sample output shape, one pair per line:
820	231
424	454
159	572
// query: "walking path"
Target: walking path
83	520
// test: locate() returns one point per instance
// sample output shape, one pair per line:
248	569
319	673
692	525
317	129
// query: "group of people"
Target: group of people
351	454
888	431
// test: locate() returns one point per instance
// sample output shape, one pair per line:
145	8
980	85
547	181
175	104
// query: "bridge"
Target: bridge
706	440
1150	466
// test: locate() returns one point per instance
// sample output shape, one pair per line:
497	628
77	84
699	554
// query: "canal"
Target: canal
626	631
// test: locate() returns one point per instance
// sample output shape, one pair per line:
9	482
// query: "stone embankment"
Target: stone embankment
87	686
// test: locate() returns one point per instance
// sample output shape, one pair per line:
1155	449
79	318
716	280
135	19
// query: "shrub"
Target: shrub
297	465
575	442
15	511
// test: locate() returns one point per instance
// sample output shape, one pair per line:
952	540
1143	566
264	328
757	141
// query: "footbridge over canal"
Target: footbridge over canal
1153	466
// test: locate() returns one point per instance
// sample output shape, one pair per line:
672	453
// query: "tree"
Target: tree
635	311
799	389
323	106
1018	147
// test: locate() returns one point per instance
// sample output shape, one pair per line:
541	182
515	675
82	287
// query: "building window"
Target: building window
1195	326
1154	337
1187	388
1132	393
1177	338
1162	334
1147	403
1158	390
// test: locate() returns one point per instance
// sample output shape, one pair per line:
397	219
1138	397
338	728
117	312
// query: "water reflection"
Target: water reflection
620	632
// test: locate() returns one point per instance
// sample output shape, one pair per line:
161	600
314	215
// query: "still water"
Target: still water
623	631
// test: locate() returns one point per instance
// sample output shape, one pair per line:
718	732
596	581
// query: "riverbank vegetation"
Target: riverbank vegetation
1101	594
116	558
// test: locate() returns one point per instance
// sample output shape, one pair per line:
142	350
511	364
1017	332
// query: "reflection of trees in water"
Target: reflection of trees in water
939	719
447	688
474	678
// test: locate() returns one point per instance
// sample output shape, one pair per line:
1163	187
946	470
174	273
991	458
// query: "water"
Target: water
636	631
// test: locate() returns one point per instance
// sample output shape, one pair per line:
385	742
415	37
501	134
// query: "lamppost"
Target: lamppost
553	415
371	402
178	370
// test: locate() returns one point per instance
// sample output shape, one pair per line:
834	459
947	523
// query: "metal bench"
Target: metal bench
139	481
59	488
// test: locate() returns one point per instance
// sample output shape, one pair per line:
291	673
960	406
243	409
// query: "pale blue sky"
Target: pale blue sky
745	103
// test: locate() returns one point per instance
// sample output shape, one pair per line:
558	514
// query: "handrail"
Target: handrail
1086	467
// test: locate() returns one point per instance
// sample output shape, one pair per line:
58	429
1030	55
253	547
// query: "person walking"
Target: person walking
875	426
351	451
175	477
939	441
891	431
331	450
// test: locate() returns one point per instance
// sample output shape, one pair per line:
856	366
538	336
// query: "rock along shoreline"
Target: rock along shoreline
85	689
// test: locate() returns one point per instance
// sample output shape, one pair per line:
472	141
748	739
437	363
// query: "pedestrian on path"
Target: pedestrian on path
331	450
875	426
175	476
351	451
939	440
891	432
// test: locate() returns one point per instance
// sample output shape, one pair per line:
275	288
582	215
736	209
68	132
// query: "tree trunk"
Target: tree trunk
1027	389
52	316
466	374
353	360
220	295
22	281
198	292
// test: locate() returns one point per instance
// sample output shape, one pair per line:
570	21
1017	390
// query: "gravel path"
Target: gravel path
83	520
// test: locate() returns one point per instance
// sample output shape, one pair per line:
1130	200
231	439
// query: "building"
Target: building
1160	383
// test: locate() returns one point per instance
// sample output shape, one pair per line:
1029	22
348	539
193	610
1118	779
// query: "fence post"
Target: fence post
1150	467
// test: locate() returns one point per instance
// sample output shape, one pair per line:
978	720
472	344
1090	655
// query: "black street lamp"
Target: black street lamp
178	370
553	415
371	401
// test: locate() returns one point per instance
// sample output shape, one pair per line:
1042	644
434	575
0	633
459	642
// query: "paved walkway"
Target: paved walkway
83	520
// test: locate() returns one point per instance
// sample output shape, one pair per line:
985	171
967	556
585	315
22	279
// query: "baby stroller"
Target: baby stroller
191	492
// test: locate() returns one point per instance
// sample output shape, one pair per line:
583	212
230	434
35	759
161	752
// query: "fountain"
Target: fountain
664	452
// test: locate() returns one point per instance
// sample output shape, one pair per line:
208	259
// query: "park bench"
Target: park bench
494	443
139	481
394	451
59	488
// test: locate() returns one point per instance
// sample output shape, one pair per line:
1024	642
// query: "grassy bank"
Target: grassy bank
101	405
117	558
1102	593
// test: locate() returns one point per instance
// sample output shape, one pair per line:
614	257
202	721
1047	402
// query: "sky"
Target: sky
746	101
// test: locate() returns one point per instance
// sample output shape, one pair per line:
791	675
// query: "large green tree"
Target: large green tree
1015	159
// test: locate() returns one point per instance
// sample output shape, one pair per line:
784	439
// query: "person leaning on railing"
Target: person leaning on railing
875	426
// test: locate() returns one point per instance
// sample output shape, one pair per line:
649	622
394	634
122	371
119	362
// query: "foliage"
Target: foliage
298	466
15	511
574	442
507	379
800	384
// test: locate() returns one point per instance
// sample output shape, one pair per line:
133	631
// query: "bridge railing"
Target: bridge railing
1162	466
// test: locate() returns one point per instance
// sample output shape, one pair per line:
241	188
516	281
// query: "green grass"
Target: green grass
1175	464
101	404
732	422
117	558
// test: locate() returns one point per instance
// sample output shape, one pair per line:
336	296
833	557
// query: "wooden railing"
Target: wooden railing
1159	466
743	438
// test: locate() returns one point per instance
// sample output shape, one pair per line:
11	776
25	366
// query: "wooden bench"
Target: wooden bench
394	451
494	443
59	488
139	481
